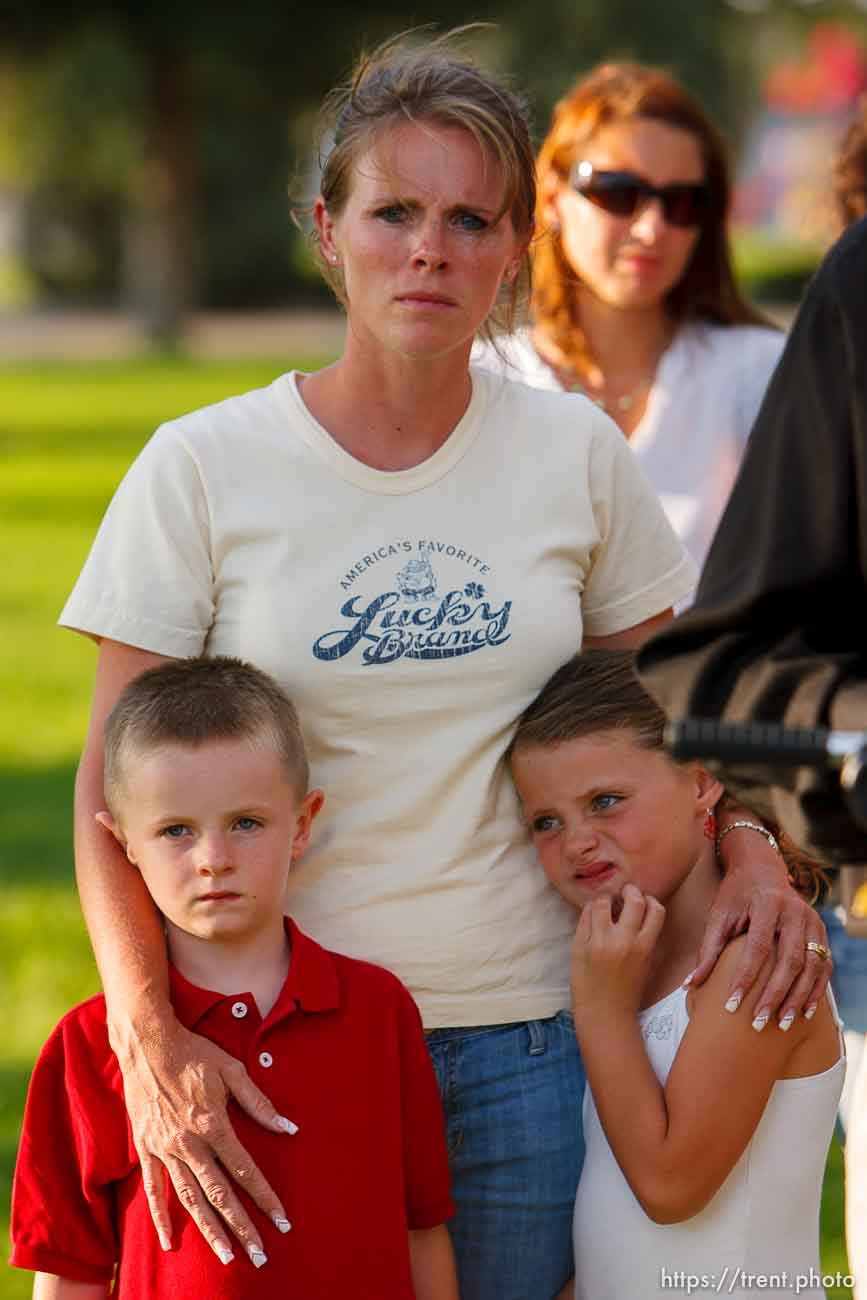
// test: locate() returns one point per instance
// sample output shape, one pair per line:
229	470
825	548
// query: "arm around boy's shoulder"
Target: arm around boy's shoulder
75	1144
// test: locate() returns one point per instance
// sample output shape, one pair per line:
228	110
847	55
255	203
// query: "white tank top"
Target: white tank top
759	1234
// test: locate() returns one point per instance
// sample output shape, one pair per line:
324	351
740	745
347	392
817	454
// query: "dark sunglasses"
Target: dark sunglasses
623	193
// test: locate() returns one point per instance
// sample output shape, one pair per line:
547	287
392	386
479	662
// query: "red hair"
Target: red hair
621	92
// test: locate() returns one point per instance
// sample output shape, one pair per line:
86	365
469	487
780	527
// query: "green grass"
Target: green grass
67	433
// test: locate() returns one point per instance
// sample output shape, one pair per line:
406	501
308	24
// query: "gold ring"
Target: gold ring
818	948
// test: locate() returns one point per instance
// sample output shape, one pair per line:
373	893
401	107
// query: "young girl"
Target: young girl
706	1132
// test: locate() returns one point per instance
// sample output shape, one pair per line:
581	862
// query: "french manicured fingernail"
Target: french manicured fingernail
761	1020
281	1224
735	1000
810	1011
286	1125
686	983
223	1253
257	1255
165	1242
787	1021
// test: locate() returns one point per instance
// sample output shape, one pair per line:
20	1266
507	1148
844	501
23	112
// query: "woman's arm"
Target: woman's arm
755	896
631	637
175	1083
676	1145
47	1286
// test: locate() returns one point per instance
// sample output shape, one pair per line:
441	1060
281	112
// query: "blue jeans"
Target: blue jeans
512	1100
849	983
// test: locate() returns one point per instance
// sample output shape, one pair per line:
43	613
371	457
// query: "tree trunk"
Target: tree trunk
161	263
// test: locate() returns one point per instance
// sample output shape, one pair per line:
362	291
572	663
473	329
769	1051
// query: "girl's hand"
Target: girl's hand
611	958
755	896
176	1085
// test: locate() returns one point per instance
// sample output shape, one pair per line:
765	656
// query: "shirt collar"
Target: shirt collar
311	984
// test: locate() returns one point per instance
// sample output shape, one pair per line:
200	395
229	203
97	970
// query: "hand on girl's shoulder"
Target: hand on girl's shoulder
808	1046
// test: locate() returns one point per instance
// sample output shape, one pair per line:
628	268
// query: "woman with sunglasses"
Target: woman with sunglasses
635	301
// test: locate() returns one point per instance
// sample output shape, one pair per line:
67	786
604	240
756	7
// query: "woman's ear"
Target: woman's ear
324	223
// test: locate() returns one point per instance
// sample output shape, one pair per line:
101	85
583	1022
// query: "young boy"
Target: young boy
206	787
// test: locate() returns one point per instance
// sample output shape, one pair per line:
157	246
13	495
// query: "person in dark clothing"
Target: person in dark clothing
779	627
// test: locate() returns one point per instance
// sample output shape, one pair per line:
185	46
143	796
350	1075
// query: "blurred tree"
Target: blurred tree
552	48
184	120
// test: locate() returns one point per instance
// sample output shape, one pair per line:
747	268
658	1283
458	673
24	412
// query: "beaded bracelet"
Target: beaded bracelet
748	826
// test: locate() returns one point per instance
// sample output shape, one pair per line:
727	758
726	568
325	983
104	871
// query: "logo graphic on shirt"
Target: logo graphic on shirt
420	616
416	580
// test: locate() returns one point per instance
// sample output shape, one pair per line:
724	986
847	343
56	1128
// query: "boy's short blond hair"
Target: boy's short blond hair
195	702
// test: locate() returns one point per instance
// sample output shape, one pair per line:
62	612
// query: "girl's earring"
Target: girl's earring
709	825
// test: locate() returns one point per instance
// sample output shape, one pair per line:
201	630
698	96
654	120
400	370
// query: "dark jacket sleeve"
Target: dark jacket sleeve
779	627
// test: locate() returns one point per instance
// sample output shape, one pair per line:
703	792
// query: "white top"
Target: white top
763	1221
412	616
707	391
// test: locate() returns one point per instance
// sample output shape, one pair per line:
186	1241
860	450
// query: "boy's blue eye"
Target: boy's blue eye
545	823
174	832
247	823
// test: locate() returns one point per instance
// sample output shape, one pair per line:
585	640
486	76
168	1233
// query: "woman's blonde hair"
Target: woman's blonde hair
428	82
610	94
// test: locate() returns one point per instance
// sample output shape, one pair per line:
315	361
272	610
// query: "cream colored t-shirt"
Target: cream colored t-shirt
412	616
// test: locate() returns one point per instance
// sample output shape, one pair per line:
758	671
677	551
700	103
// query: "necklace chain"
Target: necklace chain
621	404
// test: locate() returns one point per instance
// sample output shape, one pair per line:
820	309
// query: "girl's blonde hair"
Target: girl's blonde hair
623	92
599	690
428	82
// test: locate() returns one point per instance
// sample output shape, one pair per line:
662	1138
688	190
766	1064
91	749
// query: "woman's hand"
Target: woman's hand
755	896
611	958
176	1085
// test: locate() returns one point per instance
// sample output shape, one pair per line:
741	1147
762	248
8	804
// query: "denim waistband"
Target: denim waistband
450	1034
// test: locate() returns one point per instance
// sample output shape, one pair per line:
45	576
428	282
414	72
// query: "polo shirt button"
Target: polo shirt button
239	1010
266	1060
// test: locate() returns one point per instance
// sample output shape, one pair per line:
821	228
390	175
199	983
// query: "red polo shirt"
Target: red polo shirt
341	1053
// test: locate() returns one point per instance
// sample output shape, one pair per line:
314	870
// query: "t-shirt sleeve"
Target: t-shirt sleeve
74	1146
639	566
148	580
426	1168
